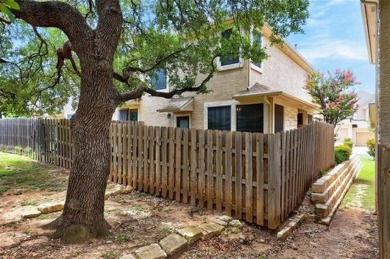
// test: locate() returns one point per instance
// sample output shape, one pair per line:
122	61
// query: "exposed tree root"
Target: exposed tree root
70	232
22	241
54	224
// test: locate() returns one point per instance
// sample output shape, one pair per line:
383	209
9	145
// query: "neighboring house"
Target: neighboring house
358	128
263	97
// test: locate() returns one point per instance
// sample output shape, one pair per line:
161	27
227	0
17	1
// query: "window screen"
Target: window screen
231	59
133	115
124	115
250	118
183	122
219	118
279	118
128	115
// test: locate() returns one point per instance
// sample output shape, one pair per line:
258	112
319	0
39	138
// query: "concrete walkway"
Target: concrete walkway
361	151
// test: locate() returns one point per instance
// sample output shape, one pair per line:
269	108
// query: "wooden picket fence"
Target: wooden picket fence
260	178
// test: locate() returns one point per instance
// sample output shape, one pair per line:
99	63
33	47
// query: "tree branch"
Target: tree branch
56	14
109	27
127	70
4	21
13	64
137	93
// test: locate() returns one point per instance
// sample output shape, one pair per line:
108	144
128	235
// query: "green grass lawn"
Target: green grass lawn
362	192
19	174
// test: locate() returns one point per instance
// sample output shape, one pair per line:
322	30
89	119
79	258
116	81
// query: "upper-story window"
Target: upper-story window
230	59
159	80
258	40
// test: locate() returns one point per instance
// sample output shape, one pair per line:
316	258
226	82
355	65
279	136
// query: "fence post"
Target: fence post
383	197
274	180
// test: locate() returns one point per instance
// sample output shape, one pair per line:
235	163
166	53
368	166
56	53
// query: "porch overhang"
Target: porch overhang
181	104
261	93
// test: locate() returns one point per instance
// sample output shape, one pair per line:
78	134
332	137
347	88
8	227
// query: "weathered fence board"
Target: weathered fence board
257	177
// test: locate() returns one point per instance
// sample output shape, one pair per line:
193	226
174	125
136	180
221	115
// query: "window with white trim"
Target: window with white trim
219	118
128	115
231	59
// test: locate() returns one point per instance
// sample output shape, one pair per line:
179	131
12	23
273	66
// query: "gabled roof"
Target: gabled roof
365	98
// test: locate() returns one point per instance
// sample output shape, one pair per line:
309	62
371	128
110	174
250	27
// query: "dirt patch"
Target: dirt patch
138	219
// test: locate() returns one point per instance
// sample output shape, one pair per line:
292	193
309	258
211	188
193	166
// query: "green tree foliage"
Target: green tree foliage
5	9
106	52
333	94
371	147
182	37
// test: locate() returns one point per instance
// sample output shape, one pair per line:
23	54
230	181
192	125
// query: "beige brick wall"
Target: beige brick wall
223	85
290	118
280	72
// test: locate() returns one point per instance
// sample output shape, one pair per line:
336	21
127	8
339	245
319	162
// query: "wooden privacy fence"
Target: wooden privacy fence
260	178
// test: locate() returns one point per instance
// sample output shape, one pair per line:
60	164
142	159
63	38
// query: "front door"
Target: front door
183	122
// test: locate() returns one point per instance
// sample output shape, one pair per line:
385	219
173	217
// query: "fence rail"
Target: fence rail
260	178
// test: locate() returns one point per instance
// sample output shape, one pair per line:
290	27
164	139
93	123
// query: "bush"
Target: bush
342	153
371	147
348	142
18	150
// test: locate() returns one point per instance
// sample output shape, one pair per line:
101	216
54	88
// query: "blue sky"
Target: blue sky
334	38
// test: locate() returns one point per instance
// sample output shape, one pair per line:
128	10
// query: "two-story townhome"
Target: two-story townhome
263	97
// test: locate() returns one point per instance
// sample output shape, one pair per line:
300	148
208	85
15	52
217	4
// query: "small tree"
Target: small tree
332	93
371	147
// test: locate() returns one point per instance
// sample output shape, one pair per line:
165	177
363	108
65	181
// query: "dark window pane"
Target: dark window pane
183	122
159	80
232	59
300	119
219	118
250	118
133	115
124	115
279	118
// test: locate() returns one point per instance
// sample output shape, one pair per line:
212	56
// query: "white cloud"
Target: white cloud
329	48
330	33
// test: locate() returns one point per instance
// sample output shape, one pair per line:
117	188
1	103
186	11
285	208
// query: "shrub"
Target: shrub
342	153
371	147
348	142
18	150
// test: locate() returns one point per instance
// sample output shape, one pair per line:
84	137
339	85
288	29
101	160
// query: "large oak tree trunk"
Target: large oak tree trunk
83	215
